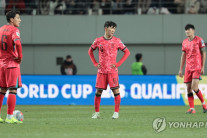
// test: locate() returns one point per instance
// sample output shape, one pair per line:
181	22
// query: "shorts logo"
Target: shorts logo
114	81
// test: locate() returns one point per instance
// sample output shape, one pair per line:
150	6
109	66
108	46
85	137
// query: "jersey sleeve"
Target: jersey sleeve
16	35
201	43
95	44
183	48
121	45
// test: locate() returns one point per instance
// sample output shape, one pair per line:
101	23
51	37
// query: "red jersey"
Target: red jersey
8	35
107	52
193	53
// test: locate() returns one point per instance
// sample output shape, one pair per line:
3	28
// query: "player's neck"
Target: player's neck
11	24
107	36
191	37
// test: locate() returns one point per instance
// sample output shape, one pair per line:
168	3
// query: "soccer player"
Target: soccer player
108	45
194	54
10	59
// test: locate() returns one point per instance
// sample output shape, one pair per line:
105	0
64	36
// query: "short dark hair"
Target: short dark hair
11	14
189	26
110	24
138	56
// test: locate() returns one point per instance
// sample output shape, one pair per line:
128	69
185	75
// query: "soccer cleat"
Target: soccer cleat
204	108
1	120
96	115
13	121
191	111
115	115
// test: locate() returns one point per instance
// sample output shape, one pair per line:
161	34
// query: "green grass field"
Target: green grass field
75	121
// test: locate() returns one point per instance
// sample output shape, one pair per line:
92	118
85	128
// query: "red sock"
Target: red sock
117	100
191	100
97	102
11	102
200	96
1	100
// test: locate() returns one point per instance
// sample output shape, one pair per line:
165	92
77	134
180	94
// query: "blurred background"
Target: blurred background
56	32
53	29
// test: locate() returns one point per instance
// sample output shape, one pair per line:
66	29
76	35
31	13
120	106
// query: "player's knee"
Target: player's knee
116	94
99	92
196	90
115	91
190	94
189	90
13	90
3	90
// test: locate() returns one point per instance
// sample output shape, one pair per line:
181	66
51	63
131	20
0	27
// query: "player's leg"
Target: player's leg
117	101
101	84
190	99
113	80
188	81
2	89
2	95
13	79
97	101
195	88
11	102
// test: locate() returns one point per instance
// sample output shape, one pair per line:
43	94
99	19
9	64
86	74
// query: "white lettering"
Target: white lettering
42	94
170	124
201	124
53	91
147	94
87	90
176	125
33	91
165	94
76	94
25	92
173	91
63	91
157	92
136	91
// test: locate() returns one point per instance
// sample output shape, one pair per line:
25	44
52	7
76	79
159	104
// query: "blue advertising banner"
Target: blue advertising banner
80	90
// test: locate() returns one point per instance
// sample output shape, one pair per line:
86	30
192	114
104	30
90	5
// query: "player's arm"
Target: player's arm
126	54
182	62
203	57
17	42
90	52
18	46
203	54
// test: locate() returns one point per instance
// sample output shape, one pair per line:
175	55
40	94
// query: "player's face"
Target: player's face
189	32
16	20
110	31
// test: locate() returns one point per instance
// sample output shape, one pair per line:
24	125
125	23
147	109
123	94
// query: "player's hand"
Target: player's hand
202	71
180	74
98	66
18	60
113	66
